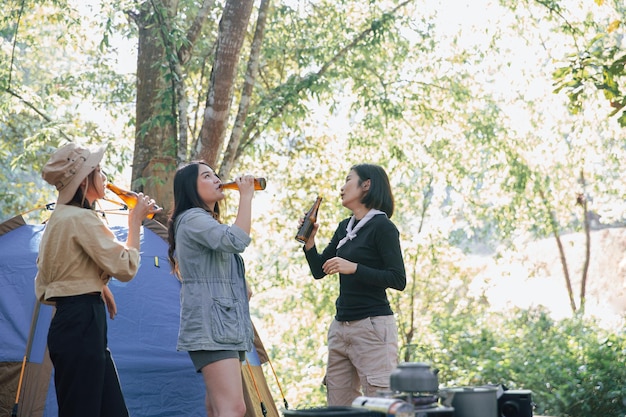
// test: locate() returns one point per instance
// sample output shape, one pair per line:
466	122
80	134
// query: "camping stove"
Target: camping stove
426	404
417	383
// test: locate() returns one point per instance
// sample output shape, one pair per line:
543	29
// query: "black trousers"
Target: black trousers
85	378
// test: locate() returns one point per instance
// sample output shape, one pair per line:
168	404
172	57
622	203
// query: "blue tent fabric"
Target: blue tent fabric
18	256
157	381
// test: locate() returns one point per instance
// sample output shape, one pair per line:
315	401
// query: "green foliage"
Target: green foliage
572	366
53	92
468	164
599	66
595	58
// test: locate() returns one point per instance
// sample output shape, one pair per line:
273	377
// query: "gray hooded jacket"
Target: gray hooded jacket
214	312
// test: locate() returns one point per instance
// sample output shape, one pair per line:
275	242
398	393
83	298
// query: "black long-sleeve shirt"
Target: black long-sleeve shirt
376	250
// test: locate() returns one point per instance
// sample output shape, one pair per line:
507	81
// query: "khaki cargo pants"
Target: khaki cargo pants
361	356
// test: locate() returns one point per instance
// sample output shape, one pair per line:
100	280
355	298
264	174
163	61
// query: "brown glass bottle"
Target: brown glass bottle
309	219
128	197
259	184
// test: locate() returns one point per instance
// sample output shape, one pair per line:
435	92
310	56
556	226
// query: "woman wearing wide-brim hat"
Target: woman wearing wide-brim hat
78	255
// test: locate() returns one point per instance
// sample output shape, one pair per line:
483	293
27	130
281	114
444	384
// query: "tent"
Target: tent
156	379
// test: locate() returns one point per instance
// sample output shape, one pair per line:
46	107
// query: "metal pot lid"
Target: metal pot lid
413	365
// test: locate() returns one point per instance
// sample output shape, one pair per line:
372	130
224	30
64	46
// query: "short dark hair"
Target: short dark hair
379	196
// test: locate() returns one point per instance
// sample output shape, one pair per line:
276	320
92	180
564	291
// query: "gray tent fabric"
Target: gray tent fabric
157	381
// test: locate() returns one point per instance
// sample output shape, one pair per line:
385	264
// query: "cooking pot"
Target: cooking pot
471	401
414	377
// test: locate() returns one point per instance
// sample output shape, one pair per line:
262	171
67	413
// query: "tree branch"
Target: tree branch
184	52
554	8
34	108
298	84
17	26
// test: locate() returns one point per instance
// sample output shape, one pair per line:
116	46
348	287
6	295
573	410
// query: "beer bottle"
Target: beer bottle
128	197
259	184
309	219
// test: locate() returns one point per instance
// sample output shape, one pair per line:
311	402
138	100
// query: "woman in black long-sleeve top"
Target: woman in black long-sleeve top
365	251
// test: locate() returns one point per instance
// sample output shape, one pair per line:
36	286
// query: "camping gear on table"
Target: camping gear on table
418	384
391	407
472	401
515	403
414	377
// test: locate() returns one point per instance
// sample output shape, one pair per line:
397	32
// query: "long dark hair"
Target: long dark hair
379	196
186	197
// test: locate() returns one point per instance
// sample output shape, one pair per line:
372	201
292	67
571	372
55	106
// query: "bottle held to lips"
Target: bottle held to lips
259	184
309	220
128	197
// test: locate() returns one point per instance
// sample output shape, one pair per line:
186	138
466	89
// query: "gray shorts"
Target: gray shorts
202	358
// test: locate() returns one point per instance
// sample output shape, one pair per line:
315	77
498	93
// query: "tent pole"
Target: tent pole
29	346
258	394
278	383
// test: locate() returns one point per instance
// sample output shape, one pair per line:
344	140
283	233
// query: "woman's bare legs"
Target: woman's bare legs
224	388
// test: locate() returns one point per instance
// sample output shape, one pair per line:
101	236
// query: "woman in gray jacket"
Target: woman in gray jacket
215	324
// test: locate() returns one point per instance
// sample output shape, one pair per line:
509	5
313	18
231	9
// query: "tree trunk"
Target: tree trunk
155	138
230	154
555	231
582	201
232	31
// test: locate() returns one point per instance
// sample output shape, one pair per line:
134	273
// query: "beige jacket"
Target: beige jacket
78	254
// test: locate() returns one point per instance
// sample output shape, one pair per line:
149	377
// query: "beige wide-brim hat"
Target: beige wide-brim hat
68	167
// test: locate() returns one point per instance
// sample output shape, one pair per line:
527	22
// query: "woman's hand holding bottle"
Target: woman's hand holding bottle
307	228
144	207
131	198
245	185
